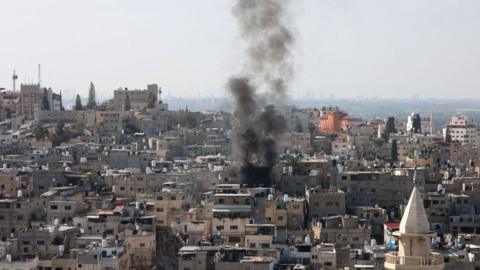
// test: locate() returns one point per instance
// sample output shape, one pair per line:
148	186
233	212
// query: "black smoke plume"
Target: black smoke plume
263	24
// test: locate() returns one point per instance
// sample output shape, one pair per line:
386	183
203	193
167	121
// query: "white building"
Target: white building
463	129
426	123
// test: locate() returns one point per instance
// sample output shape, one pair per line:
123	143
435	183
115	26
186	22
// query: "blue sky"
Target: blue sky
345	48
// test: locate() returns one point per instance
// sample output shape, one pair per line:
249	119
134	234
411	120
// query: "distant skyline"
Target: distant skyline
344	48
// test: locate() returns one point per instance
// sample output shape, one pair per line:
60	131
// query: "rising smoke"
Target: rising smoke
268	67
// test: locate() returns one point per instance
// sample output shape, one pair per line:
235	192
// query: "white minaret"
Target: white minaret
414	237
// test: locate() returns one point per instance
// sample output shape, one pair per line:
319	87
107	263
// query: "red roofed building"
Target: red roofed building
388	229
336	121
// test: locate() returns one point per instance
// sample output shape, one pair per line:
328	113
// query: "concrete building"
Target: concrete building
139	99
196	257
260	235
324	256
141	249
31	100
325	203
295	184
231	213
103	256
31	97
334	121
462	129
437	208
21	263
296	141
167	206
342	230
286	213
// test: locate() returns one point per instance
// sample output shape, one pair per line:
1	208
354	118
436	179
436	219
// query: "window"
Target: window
234	239
233	227
53	207
68	207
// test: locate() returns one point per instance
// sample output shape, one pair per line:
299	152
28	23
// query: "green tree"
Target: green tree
45	103
298	125
39	132
448	136
417	124
59	136
190	120
394	152
78	103
127	103
92	103
151	100
389	128
129	126
61	102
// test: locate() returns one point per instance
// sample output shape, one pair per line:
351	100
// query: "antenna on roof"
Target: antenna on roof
39	76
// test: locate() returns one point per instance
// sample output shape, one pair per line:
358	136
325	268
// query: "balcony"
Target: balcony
394	261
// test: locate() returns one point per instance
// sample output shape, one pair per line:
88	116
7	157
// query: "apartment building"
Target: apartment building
324	203
342	230
231	213
462	129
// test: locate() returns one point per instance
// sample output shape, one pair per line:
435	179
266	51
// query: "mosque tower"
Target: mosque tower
414	237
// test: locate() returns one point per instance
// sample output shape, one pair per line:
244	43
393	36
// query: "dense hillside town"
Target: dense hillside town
129	184
256	169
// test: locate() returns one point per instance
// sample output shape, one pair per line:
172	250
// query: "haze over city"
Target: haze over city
240	135
343	48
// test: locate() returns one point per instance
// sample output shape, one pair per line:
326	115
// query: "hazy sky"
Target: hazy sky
344	47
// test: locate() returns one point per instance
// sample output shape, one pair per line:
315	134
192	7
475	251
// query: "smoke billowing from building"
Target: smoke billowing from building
268	67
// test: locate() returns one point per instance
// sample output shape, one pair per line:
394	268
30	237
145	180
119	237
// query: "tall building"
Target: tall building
139	99
414	238
31	97
462	129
